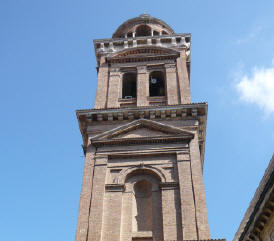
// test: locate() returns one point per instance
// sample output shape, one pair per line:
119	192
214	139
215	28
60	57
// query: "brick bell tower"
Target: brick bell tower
143	141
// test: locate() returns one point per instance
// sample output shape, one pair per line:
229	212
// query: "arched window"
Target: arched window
155	33
164	33
129	85
156	84
143	205
143	30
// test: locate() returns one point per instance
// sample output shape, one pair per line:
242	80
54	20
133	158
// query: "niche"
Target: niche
142	206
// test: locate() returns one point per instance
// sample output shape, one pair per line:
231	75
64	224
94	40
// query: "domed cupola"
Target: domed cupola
144	25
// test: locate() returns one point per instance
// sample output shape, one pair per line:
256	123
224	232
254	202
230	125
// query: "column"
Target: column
199	190
114	88
142	86
97	199
184	80
102	85
85	198
171	83
187	197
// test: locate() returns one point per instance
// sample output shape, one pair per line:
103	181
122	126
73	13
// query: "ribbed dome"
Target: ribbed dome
143	24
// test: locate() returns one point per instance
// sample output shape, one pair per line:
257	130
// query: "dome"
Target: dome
144	25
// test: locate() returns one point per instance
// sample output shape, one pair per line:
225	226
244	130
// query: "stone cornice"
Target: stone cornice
158	139
169	134
194	111
107	47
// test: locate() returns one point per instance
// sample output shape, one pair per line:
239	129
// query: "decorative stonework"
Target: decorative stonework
143	141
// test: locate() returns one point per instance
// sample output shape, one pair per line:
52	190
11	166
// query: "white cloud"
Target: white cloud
258	88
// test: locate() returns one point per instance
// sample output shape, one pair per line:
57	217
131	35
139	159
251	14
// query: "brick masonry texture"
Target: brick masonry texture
159	154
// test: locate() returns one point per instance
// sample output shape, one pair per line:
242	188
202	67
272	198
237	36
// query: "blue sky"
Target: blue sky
47	71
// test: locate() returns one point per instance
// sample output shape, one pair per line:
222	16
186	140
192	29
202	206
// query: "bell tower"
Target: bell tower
143	141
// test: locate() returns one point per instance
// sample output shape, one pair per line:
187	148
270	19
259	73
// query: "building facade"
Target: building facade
143	141
258	221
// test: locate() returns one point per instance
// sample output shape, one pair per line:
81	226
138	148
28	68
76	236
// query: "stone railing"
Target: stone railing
168	41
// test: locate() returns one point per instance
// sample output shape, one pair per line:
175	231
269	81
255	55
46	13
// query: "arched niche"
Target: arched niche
149	170
142	205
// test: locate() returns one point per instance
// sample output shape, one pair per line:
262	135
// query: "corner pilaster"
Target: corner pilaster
85	198
102	85
184	80
98	190
199	190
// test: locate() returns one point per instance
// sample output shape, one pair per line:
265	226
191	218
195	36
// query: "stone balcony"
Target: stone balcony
107	46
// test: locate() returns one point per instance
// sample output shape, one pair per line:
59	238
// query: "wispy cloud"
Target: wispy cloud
250	36
258	88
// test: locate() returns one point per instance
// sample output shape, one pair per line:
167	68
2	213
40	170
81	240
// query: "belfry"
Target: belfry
143	141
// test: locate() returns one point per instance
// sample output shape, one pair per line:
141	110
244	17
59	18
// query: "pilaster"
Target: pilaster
171	83
98	190
114	88
112	213
126	229
142	86
172	227
199	190
187	197
102	85
184	80
85	198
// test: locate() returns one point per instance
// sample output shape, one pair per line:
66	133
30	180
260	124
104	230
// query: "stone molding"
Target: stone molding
155	171
114	187
175	42
169	185
194	111
110	137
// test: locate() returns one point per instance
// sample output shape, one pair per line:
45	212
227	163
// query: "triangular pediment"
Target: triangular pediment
141	132
144	51
142	129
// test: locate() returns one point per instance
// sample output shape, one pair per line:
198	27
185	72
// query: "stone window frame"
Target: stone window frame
157	99
122	72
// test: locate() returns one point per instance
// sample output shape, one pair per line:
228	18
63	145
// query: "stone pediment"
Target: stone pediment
143	52
142	130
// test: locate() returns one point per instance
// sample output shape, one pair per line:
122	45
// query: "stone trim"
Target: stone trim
192	111
141	235
114	187
163	139
169	185
109	46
